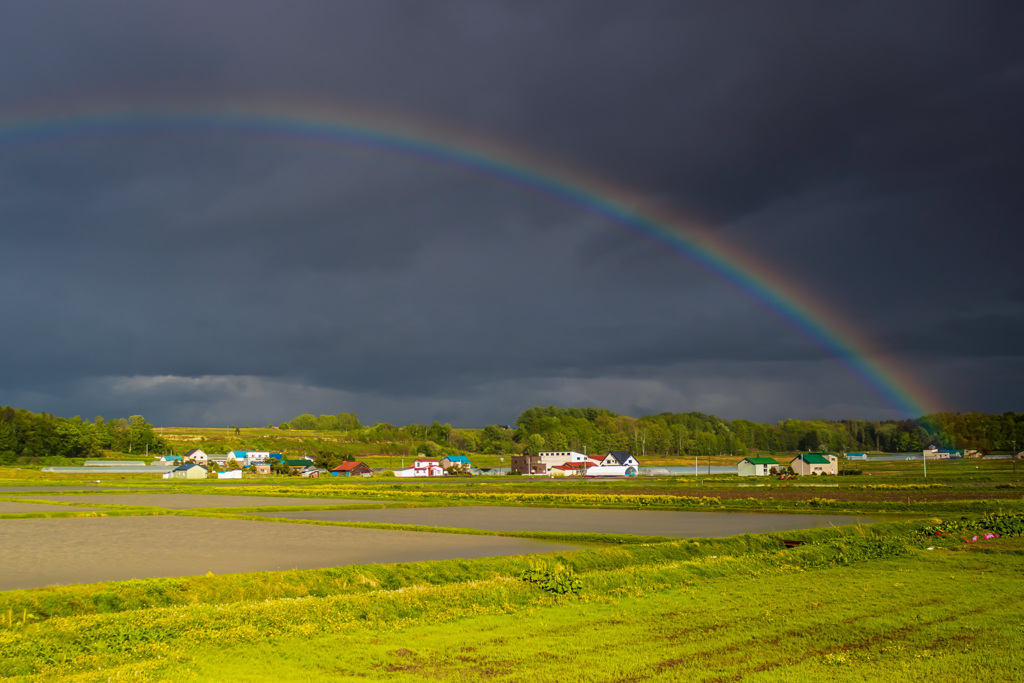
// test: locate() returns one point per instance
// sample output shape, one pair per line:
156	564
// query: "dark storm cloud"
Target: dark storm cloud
871	152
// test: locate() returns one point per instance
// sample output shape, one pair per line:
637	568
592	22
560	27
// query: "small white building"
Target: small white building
612	471
230	474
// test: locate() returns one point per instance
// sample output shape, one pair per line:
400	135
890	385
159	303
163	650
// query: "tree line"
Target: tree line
597	430
24	434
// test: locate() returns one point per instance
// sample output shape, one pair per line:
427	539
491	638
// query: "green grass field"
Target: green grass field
843	607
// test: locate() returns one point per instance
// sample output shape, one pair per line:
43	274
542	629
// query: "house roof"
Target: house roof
194	450
813	458
297	463
182	468
762	461
458	458
620	456
346	466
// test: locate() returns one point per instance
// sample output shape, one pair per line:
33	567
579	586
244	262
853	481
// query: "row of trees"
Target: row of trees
324	423
689	434
594	430
24	434
597	430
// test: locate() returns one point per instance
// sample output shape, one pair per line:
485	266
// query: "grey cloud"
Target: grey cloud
869	152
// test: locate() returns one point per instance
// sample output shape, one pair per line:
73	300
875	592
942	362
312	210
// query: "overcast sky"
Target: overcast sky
870	152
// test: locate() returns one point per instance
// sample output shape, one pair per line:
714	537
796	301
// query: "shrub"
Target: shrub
558	580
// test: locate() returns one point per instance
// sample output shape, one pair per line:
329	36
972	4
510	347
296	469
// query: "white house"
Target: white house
422	468
620	459
197	456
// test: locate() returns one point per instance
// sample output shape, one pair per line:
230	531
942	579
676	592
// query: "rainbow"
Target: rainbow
382	132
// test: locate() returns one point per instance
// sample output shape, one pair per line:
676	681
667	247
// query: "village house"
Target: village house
620	459
352	469
422	468
246	458
297	466
197	456
457	461
756	466
815	463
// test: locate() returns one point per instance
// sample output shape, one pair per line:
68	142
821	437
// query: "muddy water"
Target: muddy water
43	552
198	500
642	522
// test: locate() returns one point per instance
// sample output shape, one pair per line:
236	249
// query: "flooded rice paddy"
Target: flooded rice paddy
45	552
640	522
42	552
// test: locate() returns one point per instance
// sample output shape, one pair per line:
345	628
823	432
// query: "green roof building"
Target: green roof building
756	467
815	463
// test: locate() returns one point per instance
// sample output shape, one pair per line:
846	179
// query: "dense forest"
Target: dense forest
689	434
26	436
596	430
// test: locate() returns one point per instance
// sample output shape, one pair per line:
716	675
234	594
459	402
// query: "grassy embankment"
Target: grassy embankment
851	604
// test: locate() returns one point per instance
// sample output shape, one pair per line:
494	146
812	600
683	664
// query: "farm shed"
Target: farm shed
756	467
352	469
814	463
189	471
612	471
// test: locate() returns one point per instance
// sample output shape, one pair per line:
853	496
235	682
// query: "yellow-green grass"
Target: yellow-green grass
805	614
